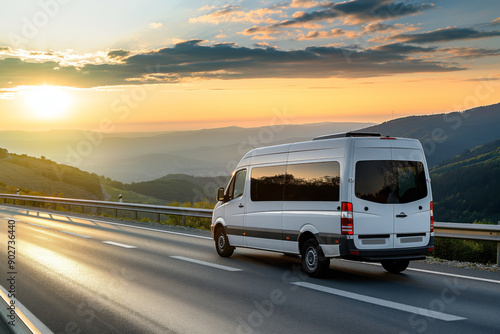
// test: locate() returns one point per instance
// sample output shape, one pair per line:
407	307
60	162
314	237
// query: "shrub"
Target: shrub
465	250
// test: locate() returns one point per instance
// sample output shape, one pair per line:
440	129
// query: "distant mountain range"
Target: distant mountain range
462	148
144	157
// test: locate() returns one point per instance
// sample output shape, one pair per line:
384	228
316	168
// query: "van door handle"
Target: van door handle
241	205
401	215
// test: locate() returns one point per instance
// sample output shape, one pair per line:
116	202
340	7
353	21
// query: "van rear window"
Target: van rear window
390	181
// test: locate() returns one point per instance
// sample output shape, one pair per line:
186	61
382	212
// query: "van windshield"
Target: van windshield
390	181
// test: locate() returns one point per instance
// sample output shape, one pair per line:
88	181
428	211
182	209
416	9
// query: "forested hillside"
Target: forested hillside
466	188
443	136
177	187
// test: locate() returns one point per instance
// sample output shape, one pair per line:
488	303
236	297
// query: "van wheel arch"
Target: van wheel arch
303	237
224	249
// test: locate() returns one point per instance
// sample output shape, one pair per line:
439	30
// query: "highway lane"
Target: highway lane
85	275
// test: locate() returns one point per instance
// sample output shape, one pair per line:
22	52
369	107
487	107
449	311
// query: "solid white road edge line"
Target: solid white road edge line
118	244
77	235
455	275
208	264
28	318
381	302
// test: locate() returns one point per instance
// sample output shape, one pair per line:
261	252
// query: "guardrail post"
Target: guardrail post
498	254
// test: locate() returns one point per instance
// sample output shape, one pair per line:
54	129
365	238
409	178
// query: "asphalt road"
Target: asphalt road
86	275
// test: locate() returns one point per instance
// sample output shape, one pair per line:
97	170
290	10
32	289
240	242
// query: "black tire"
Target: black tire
395	266
313	261
222	245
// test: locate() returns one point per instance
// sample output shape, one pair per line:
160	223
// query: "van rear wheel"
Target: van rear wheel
222	245
313	261
395	266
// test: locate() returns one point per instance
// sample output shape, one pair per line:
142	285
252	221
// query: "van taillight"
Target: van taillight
432	218
346	221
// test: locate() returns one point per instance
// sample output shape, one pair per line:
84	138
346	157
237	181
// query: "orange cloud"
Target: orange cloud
322	34
232	14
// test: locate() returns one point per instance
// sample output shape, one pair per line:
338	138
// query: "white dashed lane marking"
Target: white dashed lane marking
207	264
118	244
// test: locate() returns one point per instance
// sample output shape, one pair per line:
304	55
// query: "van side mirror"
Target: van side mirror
220	195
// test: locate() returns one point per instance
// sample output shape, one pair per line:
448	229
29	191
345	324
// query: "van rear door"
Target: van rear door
391	199
373	216
412	210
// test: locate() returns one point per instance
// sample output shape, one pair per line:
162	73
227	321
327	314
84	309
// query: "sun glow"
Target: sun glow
48	102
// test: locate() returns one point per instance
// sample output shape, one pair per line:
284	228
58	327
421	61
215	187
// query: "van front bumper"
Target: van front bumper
349	251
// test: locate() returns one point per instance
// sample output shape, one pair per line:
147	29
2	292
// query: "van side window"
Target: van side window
318	181
390	181
267	183
237	186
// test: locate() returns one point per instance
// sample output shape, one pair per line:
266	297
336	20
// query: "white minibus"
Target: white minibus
356	196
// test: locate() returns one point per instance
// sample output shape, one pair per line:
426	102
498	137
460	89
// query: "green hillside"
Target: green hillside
466	188
46	177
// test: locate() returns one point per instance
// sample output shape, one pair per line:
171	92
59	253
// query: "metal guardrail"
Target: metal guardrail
441	229
469	232
136	208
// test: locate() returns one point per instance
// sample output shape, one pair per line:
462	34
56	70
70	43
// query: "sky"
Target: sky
155	65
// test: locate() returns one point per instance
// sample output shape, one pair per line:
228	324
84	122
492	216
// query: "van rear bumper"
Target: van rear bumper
349	251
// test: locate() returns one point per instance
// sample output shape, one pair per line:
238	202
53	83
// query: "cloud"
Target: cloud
192	60
264	45
232	14
118	54
206	7
220	35
322	34
362	11
495	22
378	27
155	25
445	35
303	4
400	48
261	32
352	12
471	53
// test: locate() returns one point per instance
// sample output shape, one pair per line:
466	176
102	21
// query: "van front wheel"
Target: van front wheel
222	245
395	266
313	261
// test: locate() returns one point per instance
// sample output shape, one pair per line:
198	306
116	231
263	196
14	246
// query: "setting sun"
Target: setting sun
47	102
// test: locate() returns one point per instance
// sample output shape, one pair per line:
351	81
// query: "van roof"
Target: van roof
327	142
